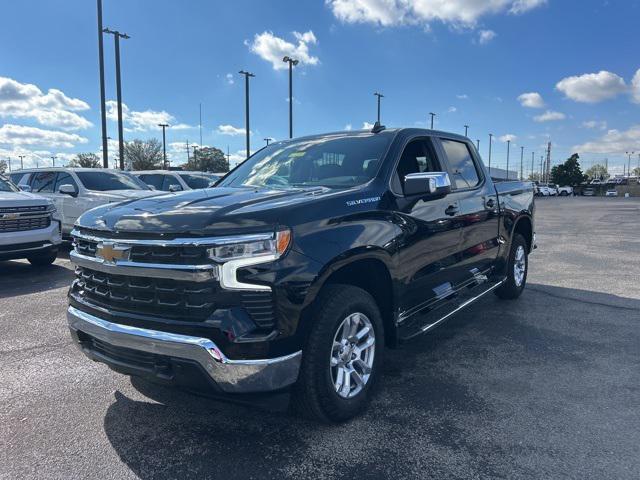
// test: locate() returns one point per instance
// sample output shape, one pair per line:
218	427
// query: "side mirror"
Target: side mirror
68	189
25	188
429	184
175	188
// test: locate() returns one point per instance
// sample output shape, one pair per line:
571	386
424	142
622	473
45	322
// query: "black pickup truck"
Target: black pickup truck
296	271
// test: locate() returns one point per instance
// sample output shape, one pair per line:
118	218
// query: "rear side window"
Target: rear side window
463	168
43	182
154	180
169	181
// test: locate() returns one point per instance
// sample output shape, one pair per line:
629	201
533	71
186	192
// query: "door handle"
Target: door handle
491	203
452	210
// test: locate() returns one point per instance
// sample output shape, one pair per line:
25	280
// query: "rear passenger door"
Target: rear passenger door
155	180
479	210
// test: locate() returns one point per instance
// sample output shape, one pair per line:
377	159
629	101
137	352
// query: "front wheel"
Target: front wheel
517	269
341	358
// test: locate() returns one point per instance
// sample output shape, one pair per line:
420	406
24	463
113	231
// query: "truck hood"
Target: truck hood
120	195
21	199
212	211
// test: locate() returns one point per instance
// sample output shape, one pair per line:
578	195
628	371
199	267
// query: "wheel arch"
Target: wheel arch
524	226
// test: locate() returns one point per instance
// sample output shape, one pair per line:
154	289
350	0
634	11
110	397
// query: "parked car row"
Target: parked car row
551	190
177	181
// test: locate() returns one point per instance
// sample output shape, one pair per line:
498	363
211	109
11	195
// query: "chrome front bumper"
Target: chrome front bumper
232	376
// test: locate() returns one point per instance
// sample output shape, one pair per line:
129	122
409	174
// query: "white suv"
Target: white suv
28	228
76	190
177	180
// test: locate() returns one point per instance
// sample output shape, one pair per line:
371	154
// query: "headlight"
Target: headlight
252	246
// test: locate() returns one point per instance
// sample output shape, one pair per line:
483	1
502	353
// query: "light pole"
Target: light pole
53	160
521	163
508	150
466	130
533	155
9	163
478	144
117	36
432	117
490	143
21	157
629	164
292	62
268	139
164	145
103	112
247	75
379	95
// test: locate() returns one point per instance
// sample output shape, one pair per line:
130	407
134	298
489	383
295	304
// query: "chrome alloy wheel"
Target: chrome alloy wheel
354	346
519	266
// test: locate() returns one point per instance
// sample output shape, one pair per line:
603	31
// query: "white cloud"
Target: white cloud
388	13
614	141
229	78
531	100
348	127
635	87
230	130
142	121
19	135
53	109
595	124
549	116
463	96
485	36
452	110
273	49
508	137
592	87
367	126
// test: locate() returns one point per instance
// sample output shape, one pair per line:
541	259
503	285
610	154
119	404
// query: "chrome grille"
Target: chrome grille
24	223
169	255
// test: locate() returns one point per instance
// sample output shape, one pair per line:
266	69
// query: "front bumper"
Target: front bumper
230	376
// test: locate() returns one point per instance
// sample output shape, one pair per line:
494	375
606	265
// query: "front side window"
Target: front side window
418	157
463	168
17	177
65	179
105	181
43	182
196	181
7	186
169	181
335	161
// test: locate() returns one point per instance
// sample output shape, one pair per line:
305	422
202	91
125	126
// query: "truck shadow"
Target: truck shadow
18	278
432	391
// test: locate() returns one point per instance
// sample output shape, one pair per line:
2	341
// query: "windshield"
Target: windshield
341	160
7	186
196	181
104	181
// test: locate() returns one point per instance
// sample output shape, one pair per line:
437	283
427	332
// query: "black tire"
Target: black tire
314	395
43	260
511	288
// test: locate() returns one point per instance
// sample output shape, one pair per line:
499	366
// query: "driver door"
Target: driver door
69	206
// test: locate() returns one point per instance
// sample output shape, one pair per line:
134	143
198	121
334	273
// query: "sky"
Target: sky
529	71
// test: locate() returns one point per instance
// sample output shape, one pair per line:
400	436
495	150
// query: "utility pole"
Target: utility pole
541	171
117	36
629	154
490	142
200	122
103	112
548	169
292	62
164	145
508	150
195	155
478	144
53	160
533	155
247	75
466	130
432	117
187	151
21	157
379	95
521	163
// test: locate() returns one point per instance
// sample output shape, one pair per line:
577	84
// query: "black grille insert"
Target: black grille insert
24	223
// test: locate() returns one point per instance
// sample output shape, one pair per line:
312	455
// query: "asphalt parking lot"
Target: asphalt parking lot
547	386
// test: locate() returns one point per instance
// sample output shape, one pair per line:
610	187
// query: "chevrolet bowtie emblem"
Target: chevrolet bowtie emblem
8	216
111	252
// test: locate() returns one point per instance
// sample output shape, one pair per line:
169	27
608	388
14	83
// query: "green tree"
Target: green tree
598	172
636	172
143	155
208	159
569	173
85	160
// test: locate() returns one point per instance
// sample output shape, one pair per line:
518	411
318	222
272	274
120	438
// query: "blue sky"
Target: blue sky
470	61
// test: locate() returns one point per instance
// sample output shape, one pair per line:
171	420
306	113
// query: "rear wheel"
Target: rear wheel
43	259
516	269
341	359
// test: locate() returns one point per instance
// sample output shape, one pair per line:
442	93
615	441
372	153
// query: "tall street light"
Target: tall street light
117	36
53	160
103	112
466	130
521	163
164	145
21	157
268	139
432	117
247	75
508	150
630	154
379	95
292	62
533	155
478	144
490	143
